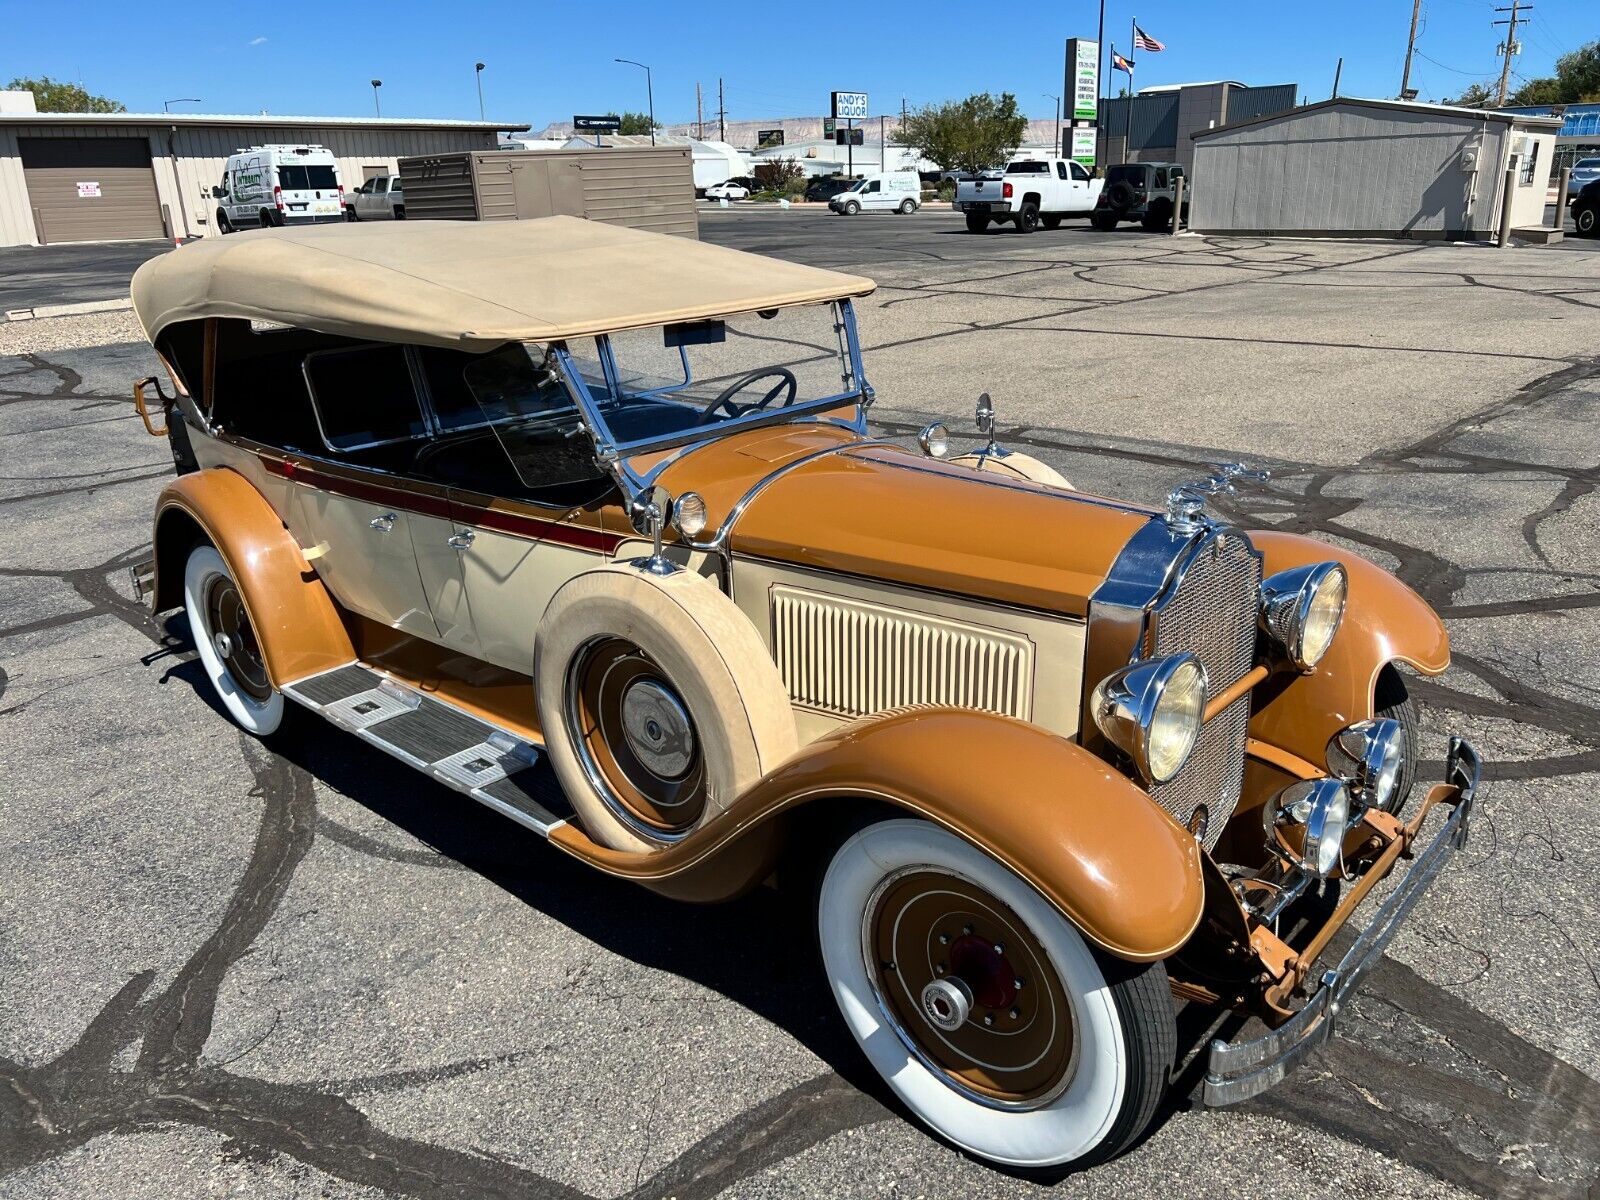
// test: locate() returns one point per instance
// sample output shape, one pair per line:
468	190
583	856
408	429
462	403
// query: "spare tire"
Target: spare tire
658	702
1016	466
1121	194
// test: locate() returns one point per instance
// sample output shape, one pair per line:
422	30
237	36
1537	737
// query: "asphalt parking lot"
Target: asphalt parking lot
304	971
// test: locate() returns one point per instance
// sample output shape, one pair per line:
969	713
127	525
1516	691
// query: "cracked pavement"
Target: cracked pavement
306	971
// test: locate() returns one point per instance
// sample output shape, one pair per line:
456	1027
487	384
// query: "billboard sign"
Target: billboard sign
1083	78
606	124
829	125
849	137
850	106
1082	147
767	138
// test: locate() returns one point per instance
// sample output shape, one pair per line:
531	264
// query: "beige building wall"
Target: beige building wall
188	158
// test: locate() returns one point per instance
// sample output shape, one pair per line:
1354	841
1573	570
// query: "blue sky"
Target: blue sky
545	62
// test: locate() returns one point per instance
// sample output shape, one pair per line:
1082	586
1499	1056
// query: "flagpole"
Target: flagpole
1127	125
1099	81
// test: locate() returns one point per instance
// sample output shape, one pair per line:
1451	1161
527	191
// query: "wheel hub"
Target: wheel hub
948	1003
658	728
223	645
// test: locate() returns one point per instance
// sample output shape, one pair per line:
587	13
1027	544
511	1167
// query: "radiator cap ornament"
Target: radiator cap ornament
1186	503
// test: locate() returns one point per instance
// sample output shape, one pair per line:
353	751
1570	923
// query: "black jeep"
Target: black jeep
1142	192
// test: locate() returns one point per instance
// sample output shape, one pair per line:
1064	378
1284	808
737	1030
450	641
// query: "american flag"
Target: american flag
1143	41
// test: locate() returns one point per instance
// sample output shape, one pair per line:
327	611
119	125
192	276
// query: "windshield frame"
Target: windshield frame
614	454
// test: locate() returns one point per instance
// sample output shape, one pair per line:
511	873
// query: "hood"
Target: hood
829	502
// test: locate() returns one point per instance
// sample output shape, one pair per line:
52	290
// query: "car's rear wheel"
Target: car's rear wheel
977	222
1104	222
226	641
984	1009
1586	219
1028	218
399	212
907	207
658	702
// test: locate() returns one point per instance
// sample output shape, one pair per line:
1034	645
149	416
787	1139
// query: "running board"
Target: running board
493	766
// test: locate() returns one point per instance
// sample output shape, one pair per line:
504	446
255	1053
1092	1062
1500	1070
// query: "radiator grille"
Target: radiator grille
1213	615
851	658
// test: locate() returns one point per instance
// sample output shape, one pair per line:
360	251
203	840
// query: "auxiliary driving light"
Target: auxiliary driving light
1320	808
1369	756
1152	711
1301	609
689	514
934	440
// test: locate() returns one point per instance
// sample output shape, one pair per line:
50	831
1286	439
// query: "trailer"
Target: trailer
640	187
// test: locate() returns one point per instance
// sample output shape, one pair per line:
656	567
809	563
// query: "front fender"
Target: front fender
294	618
1384	621
1091	842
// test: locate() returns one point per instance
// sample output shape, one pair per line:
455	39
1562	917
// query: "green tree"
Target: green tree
965	135
1475	96
1576	81
638	123
54	95
779	174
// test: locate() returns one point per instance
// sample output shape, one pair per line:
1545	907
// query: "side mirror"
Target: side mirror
218	192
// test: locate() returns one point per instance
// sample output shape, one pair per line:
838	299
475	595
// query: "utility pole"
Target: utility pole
1411	48
1337	71
722	114
699	115
883	146
1509	47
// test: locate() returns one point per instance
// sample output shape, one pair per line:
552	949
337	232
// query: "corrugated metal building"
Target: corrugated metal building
1157	124
67	177
1372	168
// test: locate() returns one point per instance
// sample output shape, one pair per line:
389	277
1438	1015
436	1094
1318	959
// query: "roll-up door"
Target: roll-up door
91	189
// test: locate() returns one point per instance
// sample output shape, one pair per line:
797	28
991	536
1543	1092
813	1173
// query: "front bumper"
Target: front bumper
1240	1070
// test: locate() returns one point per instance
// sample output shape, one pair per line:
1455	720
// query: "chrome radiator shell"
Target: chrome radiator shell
1172	590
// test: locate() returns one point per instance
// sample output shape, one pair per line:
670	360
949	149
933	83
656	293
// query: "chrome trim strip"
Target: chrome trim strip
1240	1070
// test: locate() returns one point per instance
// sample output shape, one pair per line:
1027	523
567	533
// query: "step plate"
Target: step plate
490	764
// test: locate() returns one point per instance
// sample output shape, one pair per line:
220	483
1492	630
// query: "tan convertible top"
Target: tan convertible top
470	285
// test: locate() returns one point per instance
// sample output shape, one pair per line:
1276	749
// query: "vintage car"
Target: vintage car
507	499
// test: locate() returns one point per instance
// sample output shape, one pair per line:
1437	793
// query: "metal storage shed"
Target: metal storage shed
1372	168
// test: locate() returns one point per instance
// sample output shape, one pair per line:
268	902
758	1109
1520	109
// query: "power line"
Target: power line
1457	70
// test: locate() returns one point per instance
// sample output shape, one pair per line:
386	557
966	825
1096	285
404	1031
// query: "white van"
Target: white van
891	191
279	185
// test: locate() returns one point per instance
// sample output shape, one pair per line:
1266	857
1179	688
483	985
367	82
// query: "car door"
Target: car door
1080	189
375	204
355	512
397	198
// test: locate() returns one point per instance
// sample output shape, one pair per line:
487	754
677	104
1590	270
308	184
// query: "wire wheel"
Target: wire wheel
636	739
969	988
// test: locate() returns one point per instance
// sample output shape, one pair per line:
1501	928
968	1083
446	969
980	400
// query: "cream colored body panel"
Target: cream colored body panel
364	554
848	647
508	583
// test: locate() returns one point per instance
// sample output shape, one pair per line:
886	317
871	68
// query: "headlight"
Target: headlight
1152	711
1370	755
1301	609
1321	808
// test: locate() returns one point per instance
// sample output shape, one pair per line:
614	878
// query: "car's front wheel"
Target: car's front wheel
1104	222
227	644
982	1007
1586	219
851	208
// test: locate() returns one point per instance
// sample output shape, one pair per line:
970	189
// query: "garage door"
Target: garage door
91	189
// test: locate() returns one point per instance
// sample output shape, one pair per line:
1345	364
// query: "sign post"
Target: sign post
597	126
1082	86
849	107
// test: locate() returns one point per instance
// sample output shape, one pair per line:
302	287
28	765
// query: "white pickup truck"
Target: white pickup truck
1031	191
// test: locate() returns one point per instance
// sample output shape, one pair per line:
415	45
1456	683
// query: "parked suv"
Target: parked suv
1586	211
820	191
1142	192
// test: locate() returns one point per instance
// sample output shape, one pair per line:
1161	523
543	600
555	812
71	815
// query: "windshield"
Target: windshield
301	177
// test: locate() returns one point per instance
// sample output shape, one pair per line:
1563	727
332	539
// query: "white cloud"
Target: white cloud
256	41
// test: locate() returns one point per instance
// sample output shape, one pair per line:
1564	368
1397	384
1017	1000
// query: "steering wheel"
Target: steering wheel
786	382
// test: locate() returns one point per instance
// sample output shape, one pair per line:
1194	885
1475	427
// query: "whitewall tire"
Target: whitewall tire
226	643
1015	465
1069	1060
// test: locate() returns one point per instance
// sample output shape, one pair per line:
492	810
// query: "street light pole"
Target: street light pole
1057	151
649	92
376	84
478	74
166	105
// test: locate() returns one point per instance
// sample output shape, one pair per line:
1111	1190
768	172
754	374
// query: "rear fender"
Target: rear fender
1091	842
295	619
1384	622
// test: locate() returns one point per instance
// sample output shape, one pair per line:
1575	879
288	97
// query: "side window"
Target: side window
871	187
1061	170
380	185
1080	172
364	397
1160	178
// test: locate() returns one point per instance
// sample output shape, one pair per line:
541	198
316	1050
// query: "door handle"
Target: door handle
460	540
382	524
